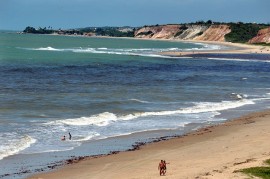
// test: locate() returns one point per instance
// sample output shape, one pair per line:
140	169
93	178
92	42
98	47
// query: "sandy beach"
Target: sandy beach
236	48
212	152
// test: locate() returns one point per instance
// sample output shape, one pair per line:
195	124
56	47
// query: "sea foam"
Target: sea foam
15	145
145	52
102	119
106	118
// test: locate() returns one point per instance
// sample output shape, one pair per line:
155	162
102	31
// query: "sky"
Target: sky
66	14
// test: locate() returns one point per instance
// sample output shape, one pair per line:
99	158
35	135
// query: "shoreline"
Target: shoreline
212	152
237	48
234	48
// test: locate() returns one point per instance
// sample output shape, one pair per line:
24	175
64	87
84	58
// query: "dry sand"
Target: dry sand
212	152
237	49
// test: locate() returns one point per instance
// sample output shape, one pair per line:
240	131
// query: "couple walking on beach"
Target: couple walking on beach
162	167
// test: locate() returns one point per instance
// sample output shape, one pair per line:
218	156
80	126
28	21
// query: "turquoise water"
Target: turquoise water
97	88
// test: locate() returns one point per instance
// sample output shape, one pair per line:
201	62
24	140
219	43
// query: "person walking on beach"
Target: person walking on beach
164	166
161	168
69	136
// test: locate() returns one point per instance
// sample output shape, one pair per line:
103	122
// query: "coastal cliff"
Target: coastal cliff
203	31
235	32
214	33
263	36
184	32
158	32
189	32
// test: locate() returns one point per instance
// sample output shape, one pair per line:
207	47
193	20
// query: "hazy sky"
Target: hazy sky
17	14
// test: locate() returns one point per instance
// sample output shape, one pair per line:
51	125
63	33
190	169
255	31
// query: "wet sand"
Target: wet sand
235	48
211	152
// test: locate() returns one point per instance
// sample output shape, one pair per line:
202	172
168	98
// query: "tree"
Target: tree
29	29
209	22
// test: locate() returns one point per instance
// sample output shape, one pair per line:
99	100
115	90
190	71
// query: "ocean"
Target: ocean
110	93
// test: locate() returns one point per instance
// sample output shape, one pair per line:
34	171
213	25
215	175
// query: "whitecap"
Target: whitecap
101	119
106	118
47	49
81	138
14	144
140	101
238	59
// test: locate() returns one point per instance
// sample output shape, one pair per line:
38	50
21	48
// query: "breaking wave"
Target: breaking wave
13	144
48	49
146	52
106	118
238	59
139	101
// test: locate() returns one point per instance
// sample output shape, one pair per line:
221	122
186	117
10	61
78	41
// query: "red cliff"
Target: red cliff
263	36
214	33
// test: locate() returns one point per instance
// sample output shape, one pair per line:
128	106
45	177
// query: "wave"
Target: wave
85	138
48	49
128	52
237	96
201	107
106	118
102	119
140	101
14	145
145	52
238	59
209	47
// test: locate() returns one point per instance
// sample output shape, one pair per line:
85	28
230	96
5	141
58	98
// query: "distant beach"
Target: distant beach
237	48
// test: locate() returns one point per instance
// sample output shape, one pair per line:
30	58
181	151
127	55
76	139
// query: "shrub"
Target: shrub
242	33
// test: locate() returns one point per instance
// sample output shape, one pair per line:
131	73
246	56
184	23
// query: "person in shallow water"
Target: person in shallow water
69	136
63	138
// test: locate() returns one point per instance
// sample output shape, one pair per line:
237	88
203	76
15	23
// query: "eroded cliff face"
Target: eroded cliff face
158	32
189	32
214	33
185	32
263	36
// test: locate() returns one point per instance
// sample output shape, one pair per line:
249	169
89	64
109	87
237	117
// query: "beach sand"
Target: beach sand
236	48
211	152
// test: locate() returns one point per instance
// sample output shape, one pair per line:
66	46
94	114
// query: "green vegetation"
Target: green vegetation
242	33
262	44
200	33
178	33
44	30
182	29
40	30
114	32
101	31
262	172
201	22
145	33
